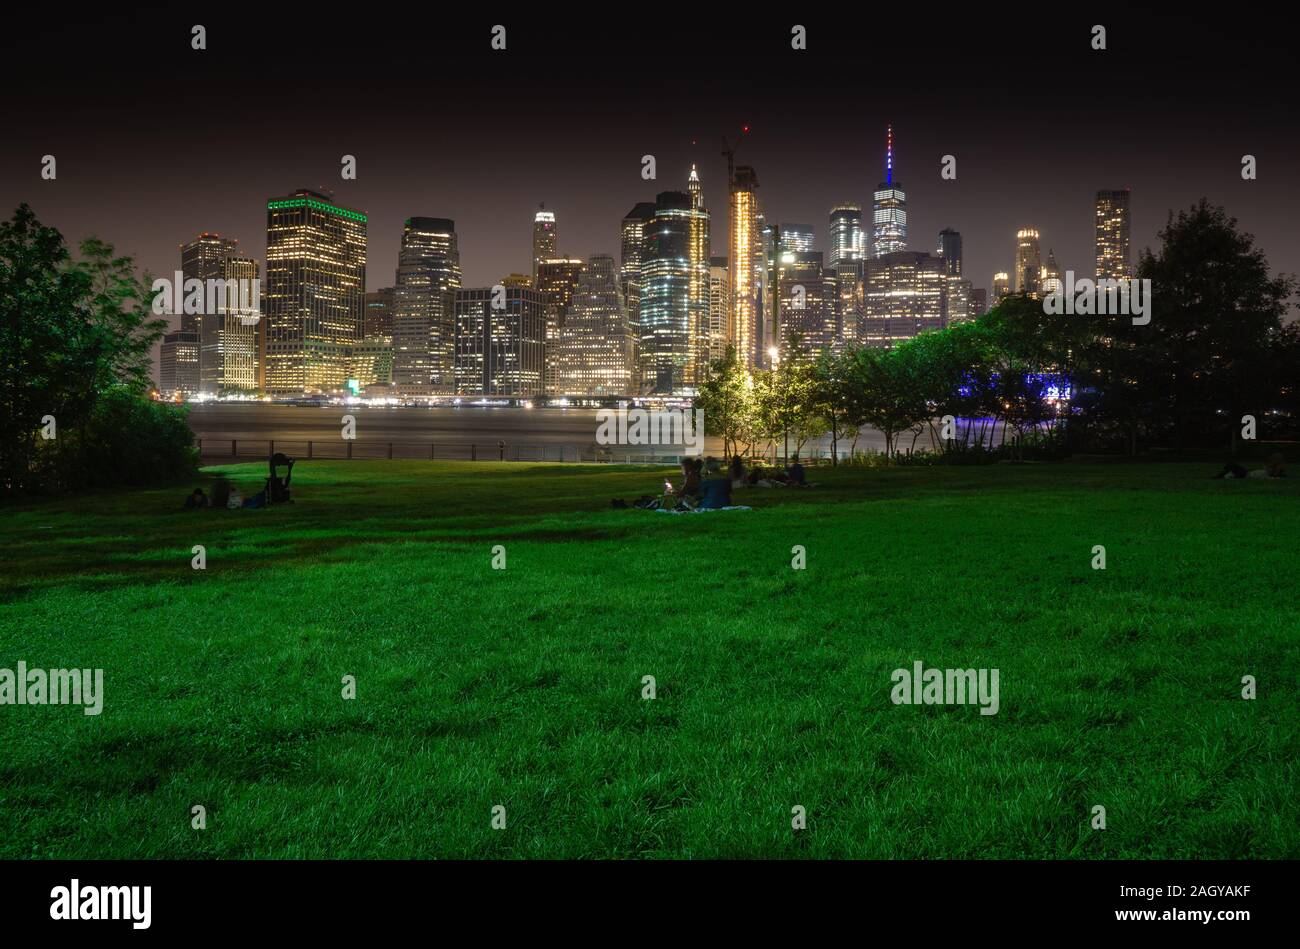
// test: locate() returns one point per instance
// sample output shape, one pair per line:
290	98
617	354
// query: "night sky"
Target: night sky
156	142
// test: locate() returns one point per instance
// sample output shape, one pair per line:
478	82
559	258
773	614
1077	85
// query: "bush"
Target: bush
128	440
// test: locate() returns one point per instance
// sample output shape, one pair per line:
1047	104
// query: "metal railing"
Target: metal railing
337	449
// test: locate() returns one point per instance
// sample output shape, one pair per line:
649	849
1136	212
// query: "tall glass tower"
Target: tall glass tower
674	296
1112	219
315	292
543	237
747	266
424	324
846	235
889	208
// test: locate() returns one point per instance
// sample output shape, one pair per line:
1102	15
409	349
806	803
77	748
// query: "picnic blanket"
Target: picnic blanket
705	510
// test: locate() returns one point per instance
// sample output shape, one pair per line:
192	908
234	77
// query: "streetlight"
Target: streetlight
775	355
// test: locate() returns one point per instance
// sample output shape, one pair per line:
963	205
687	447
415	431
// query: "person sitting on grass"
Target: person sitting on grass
691	468
196	500
796	473
737	472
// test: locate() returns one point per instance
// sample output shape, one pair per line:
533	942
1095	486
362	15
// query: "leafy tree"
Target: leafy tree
70	333
727	398
1215	308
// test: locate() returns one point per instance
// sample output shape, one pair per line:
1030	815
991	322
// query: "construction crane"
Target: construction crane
729	152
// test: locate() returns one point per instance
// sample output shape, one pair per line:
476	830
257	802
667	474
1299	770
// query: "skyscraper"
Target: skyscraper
632	250
543	237
1051	280
905	294
801	290
500	351
557	278
1112	222
889	208
315	291
846	241
950	251
798	238
230	356
746	266
424	293
594	355
719	308
849	304
1001	285
674	300
1029	264
204	259
699	293
378	319
178	364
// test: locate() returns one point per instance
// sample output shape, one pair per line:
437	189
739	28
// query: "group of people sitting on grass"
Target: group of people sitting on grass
697	492
224	494
793	475
227	495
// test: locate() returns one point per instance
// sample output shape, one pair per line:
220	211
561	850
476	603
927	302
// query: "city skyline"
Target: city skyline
488	155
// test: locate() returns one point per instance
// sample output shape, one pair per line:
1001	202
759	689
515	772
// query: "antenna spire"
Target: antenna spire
889	155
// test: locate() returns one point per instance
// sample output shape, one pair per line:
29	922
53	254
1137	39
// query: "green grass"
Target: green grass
522	686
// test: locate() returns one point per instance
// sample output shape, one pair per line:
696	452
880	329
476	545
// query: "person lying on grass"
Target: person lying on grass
1275	467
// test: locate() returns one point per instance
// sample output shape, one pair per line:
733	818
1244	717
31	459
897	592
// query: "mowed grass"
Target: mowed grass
523	687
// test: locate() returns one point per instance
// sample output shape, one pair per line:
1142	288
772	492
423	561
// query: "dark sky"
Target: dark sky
156	142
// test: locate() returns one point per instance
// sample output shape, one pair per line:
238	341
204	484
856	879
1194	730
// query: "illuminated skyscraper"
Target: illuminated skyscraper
849	296
543	237
372	361
226	321
204	258
314	293
595	352
746	266
846	241
556	280
958	303
719	308
889	208
905	294
1112	221
699	294
230	357
1029	263
674	296
1001	285
629	268
801	289
797	238
1051	279
500	351
380	306
178	364
424	294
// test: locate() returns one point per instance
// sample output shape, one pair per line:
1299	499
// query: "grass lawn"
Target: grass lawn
523	687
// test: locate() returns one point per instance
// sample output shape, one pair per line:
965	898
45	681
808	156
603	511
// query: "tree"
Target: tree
1215	309
890	396
70	333
727	398
47	346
